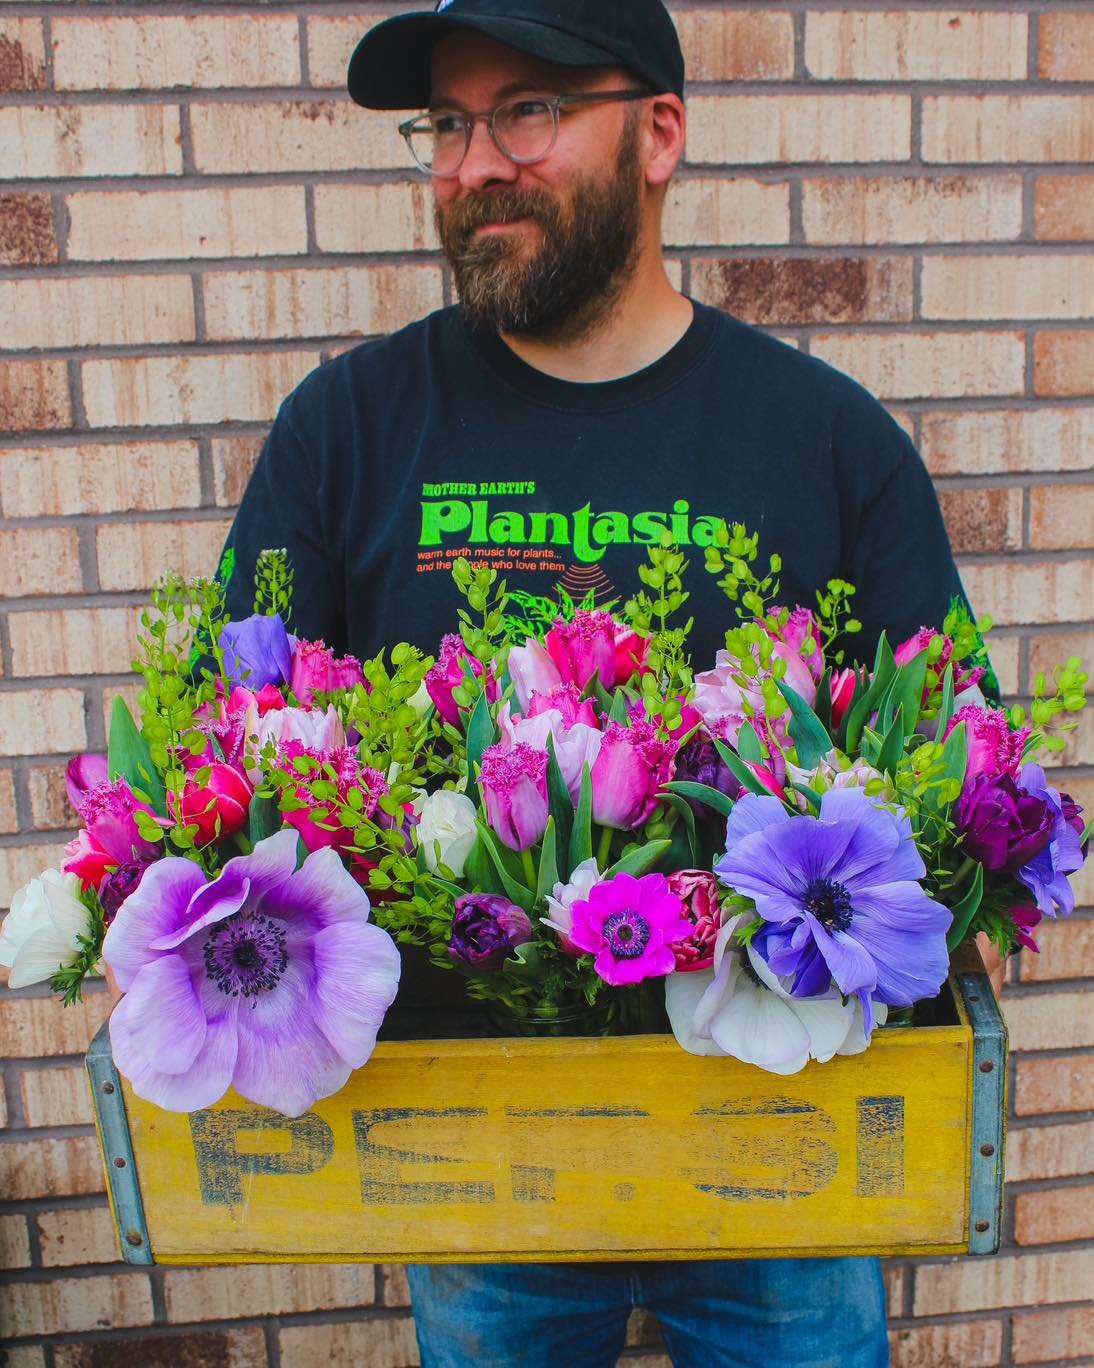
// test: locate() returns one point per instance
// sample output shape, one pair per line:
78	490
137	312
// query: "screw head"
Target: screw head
987	1151
108	1087
134	1237
119	1162
986	1066
983	1225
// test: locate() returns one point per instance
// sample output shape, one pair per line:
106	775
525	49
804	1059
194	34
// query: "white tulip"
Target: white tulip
39	934
447	820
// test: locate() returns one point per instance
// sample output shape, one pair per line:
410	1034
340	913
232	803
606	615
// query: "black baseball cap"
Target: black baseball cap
390	68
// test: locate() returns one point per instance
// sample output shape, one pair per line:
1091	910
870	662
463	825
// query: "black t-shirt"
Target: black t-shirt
389	461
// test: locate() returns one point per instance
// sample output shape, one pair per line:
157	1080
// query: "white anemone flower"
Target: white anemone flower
740	1008
584	877
40	933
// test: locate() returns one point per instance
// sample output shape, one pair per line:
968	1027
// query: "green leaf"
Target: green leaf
480	734
702	793
525	963
946	708
128	758
905	691
955	751
514	890
561	809
892	748
883	671
966	909
811	740
823	706
740	770
548	863
479	871
638	862
581	837
748	744
811	794
687	821
618	711
264	819
453	890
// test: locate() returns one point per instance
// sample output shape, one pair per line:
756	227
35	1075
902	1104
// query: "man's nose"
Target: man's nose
485	164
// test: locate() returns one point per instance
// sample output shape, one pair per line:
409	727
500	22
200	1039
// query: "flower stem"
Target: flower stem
604	849
530	877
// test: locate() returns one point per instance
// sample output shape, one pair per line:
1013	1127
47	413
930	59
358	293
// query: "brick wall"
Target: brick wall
192	216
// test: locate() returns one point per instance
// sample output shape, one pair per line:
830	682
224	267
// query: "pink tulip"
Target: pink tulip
631	651
993	748
799	627
316	669
514	786
962	679
631	768
448	673
842	687
584	647
566	699
317	821
318	731
575	747
108	809
697	890
218	807
533	672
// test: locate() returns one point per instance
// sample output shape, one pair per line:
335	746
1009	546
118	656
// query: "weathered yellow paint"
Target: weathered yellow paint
576	1149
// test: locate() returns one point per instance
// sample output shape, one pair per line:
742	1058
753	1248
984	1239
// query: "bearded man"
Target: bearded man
570	409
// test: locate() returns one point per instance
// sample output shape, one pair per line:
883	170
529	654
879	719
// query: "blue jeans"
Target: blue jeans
740	1313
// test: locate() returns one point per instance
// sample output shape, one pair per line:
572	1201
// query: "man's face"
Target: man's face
542	249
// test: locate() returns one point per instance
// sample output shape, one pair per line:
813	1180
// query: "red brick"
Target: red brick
1054	1215
910	209
394	1288
73	641
20	864
917	46
44	142
14	1242
56	1097
281	136
1066	949
50	809
975	1344
766	290
233	460
26	230
1046	1086
66	1305
374	218
1044	285
983	519
33	396
1015	591
1052	1336
1007	441
97	311
1063	208
22	55
726	46
1008	128
170	390
1065	47
42	722
1014	1280
99	477
750	129
9	818
387	1343
33	1028
85	1235
1051	649
723	211
270	1289
192	51
1059	1151
67	1167
1063	362
39	560
135	555
1049	1021
244	1347
928	364
331	40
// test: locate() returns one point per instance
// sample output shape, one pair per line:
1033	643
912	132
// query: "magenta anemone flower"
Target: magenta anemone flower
630	925
269	979
840	897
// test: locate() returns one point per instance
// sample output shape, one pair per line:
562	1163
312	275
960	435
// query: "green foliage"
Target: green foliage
648	613
1053	711
68	981
274	584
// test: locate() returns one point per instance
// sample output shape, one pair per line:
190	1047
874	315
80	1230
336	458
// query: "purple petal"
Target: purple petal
161	1009
753	813
224	896
157	909
357	977
320	893
904	932
850	963
205	1082
289	1068
754	866
84	772
875	835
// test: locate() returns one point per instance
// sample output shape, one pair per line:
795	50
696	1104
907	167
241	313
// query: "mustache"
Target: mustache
459	221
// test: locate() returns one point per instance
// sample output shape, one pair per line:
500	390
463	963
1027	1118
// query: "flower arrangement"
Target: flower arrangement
779	852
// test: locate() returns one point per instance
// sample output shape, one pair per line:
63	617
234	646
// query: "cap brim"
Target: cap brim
390	67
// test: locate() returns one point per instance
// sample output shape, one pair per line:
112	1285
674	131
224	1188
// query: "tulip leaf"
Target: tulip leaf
515	891
702	793
480	735
748	744
264	819
129	758
811	740
581	836
548	864
740	770
560	807
453	890
946	707
525	962
907	690
955	754
479	869
811	794
618	711
859	713
892	748
823	706
964	910
687	819
640	861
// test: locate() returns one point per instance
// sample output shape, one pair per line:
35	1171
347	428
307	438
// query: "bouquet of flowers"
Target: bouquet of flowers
779	851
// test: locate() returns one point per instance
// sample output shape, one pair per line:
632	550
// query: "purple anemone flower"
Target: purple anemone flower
1045	875
257	651
269	979
840	897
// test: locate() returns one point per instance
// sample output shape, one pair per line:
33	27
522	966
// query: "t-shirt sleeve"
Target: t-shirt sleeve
896	550
288	504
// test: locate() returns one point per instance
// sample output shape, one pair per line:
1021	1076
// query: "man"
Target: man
571	408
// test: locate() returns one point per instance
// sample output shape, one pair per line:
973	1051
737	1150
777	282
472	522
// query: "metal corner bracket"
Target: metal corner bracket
121	1169
988	1109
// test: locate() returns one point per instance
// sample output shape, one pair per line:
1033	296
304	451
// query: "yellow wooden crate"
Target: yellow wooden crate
572	1149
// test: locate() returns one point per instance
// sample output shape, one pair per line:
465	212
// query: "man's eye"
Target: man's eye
528	109
447	124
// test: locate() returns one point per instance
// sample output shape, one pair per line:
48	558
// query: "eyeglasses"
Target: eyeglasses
524	130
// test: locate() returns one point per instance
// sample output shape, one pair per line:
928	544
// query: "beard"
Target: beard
570	283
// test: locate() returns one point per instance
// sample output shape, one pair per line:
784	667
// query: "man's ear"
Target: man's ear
664	128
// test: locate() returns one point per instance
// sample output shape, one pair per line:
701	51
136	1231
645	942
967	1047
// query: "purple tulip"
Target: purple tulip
116	887
532	671
699	763
257	651
514	787
993	747
486	930
1004	826
268	979
631	768
449	672
1045	873
566	699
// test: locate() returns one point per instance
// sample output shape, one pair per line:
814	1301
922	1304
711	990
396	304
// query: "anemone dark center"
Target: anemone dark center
627	933
245	954
830	902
